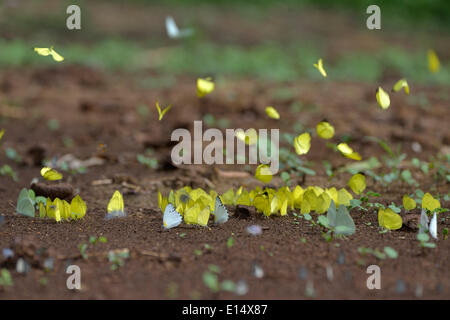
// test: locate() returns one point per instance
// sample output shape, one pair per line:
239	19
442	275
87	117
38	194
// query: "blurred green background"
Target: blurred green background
268	39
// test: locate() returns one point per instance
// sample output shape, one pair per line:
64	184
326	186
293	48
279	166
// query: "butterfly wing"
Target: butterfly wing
423	221
77	208
433	226
172	29
42	51
165	111
25	207
56	56
171	217
50	174
42	211
220	212
115	205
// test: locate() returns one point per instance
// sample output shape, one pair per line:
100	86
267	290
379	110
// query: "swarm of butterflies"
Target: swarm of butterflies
194	206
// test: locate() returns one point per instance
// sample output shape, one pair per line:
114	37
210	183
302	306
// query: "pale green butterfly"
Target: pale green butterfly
171	217
220	212
341	220
25	204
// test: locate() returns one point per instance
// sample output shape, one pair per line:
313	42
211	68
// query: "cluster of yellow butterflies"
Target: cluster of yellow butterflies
61	210
194	206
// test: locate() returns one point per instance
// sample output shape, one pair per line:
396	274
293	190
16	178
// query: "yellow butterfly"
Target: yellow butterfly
348	152
263	173
204	87
383	98
302	143
325	130
357	183
402	83
53	209
116	206
430	203
64	209
433	61
344	197
272	113
2	132
197	215
49	51
42	211
250	136
389	219
77	208
408	202
50	174
319	66
162	113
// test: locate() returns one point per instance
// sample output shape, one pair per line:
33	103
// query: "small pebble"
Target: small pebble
347	275
254	230
419	291
400	287
330	274
303	273
49	264
7	253
241	288
258	272
416	147
309	290
341	258
22	266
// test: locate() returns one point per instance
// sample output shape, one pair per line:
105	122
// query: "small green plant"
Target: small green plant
83	248
423	240
117	258
6	170
387	252
93	240
53	124
5	278
230	241
13	155
151	163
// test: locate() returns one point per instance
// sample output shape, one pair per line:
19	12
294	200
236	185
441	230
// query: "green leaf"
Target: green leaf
211	281
230	242
391	252
323	221
423	237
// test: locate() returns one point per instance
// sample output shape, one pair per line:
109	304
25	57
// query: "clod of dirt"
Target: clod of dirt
37	154
61	190
120	178
242	212
411	222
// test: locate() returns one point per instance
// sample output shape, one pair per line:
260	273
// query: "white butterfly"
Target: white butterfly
220	212
432	227
174	32
171	217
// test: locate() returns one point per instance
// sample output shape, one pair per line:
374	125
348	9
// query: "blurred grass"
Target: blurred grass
266	61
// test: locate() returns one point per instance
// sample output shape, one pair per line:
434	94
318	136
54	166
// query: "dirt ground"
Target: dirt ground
96	108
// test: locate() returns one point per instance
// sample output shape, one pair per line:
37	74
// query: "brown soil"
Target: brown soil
97	109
